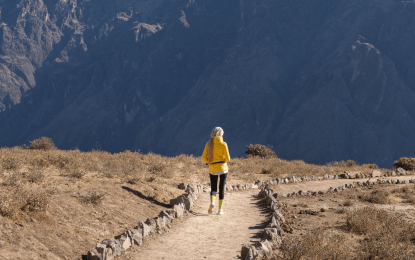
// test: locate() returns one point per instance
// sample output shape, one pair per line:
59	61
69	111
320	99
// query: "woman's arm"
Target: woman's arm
204	156
226	153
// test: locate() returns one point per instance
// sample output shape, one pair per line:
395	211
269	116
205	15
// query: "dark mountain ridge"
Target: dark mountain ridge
315	80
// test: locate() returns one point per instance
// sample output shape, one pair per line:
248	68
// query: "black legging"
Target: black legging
214	185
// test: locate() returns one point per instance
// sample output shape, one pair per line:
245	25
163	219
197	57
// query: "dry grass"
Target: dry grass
386	235
369	233
17	201
348	203
93	198
377	196
317	245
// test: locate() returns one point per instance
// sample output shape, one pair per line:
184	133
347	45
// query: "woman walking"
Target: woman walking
216	154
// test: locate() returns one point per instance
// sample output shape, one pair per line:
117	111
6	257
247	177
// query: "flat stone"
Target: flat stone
376	173
124	240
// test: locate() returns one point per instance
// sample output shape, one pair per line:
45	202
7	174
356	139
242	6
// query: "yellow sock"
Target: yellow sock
212	199
220	204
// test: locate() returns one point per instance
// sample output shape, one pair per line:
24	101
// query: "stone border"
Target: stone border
108	249
345	175
272	234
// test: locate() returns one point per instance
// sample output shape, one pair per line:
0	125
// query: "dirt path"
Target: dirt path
205	236
326	184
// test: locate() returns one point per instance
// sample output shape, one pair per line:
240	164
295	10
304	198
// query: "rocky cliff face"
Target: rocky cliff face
315	80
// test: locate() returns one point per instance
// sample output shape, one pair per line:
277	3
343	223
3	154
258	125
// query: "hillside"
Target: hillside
314	80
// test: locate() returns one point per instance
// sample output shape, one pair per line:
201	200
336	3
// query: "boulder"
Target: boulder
177	201
326	177
239	187
178	210
401	171
93	255
188	203
376	173
144	228
278	216
192	188
344	175
135	236
113	248
124	240
249	185
151	224
273	235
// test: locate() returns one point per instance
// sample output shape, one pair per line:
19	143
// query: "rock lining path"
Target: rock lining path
204	236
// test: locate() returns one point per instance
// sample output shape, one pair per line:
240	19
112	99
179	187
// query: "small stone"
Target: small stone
182	186
1	243
159	232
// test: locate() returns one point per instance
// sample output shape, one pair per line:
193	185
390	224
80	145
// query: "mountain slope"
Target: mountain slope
315	80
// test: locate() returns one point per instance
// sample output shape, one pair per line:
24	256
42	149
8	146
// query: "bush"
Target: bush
259	150
406	163
43	143
376	196
93	198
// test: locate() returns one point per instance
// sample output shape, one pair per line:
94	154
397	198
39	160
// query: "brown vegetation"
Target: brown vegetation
362	231
406	163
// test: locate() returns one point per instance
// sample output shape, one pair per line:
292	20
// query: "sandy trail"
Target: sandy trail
205	236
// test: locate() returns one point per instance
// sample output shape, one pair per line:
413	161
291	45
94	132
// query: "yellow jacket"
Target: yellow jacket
220	153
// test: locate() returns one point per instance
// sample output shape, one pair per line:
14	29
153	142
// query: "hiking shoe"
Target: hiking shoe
210	211
220	212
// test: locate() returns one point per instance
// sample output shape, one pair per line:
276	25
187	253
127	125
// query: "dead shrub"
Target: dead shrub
40	163
370	165
132	180
348	203
93	198
14	179
76	174
317	245
259	150
34	177
156	168
265	171
406	163
37	202
15	201
376	196
43	143
11	163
